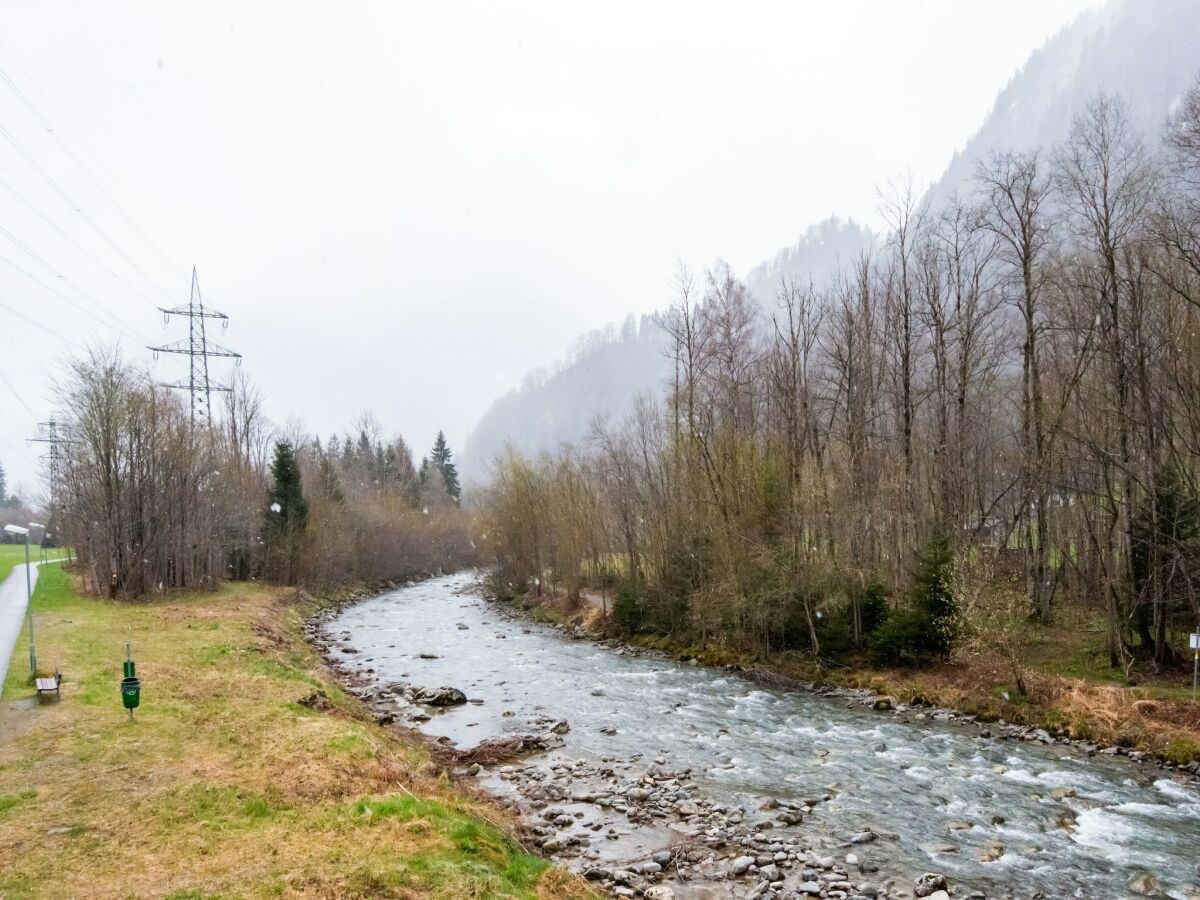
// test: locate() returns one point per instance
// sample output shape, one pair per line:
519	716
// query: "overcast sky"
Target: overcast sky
404	206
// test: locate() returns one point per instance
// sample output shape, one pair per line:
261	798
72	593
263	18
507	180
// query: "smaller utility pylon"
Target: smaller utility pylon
198	349
52	433
49	433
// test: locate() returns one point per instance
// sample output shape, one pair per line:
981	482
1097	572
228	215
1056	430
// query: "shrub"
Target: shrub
629	607
927	626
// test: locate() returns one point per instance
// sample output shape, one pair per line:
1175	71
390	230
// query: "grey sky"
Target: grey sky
406	206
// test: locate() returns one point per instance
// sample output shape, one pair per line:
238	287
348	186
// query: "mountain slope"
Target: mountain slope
604	377
1144	50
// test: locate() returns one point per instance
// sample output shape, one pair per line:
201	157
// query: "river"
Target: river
939	796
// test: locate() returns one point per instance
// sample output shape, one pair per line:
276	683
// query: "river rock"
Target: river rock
741	865
927	884
659	892
1143	883
442	696
812	888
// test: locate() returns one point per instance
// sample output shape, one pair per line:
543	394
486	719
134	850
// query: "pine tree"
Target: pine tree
330	485
440	457
927	626
932	594
3	486
285	518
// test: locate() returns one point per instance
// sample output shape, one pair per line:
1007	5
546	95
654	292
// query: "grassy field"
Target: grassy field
225	785
14	555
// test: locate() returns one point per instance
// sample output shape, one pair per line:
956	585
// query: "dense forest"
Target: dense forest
152	498
992	417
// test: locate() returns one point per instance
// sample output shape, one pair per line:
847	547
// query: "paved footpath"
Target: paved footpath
12	615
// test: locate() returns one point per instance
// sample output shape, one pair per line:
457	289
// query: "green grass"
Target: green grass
489	852
14	555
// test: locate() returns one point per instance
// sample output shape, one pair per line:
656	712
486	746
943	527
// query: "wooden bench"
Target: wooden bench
47	686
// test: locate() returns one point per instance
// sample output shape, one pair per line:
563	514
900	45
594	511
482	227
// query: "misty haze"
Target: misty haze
678	451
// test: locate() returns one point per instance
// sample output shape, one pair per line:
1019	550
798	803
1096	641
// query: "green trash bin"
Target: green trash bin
131	692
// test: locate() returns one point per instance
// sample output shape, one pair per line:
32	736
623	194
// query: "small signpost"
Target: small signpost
1195	661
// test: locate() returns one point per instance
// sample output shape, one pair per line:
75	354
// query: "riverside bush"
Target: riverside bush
925	629
629	607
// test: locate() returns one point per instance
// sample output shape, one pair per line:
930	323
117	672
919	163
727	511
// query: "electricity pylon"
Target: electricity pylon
48	433
198	348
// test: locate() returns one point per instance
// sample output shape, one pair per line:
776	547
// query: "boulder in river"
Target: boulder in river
441	696
1143	883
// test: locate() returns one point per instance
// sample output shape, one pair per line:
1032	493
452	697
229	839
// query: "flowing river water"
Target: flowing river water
940	796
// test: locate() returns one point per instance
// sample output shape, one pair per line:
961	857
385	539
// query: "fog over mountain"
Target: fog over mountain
1143	50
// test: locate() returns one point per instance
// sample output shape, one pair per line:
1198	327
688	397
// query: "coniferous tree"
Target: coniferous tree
3	486
441	458
286	516
926	628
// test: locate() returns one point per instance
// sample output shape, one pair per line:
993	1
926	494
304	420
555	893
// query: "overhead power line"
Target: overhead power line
79	210
74	243
15	393
36	324
17	450
112	320
173	264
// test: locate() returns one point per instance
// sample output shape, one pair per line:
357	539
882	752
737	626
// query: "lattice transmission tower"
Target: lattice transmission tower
198	348
53	433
